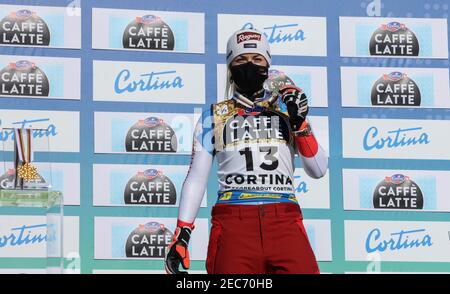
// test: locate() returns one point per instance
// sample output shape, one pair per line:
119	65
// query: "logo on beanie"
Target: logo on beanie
23	78
151	135
150	187
24	27
148	32
398	192
396	89
248	36
148	241
394	39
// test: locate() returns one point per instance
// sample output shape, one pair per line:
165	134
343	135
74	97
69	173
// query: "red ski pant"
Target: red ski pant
259	239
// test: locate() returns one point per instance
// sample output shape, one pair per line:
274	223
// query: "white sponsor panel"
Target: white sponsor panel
411	241
311	79
63	177
395	138
287	35
166	31
119	238
24	236
428	85
139	272
40	26
312	193
416	190
61	129
149	82
319	235
145	133
393	37
50	77
114	182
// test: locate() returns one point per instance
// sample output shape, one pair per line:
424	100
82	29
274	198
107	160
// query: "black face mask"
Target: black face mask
249	77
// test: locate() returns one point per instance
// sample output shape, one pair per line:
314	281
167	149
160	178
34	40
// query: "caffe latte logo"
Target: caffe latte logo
148	32
23	78
7	181
398	192
150	187
151	135
394	39
24	27
396	89
148	241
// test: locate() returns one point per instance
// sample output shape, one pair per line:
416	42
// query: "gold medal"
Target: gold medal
27	172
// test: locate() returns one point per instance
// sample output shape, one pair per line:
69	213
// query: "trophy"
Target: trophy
23	158
26	183
275	82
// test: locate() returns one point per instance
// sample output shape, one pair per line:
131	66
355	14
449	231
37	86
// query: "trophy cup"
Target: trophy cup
26	183
275	82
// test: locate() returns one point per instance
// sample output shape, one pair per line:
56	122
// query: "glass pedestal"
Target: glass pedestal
51	203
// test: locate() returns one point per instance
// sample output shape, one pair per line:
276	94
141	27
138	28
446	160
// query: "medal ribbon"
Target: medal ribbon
25	152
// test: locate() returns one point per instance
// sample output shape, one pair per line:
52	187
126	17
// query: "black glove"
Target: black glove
296	104
178	250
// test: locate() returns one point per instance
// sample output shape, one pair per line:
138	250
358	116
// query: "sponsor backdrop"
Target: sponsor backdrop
118	86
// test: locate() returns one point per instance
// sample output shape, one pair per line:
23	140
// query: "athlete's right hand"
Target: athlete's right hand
296	104
178	250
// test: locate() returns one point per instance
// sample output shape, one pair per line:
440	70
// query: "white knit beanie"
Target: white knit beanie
248	41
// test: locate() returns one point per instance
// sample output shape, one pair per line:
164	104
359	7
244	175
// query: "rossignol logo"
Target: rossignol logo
7	181
24	27
396	89
148	241
276	80
148	32
23	78
151	135
398	192
394	39
150	187
248	36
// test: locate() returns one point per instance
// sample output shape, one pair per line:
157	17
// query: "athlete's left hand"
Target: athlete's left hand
296	103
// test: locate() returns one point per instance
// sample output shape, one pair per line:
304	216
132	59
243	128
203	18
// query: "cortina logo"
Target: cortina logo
24	235
394	138
398	241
